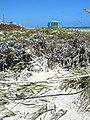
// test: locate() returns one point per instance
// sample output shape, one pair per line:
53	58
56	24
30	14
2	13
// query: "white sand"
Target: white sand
69	103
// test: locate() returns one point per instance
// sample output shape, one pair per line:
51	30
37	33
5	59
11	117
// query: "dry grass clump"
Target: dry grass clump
9	27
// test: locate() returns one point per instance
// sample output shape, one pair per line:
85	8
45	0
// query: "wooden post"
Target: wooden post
3	19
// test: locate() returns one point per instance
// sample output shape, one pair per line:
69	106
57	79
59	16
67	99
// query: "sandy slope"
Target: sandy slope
59	108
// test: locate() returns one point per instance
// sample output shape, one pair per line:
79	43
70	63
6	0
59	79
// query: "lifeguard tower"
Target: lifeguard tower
53	24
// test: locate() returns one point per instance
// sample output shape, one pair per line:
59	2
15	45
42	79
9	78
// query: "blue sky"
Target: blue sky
37	13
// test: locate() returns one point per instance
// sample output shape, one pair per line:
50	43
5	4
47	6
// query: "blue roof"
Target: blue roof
54	21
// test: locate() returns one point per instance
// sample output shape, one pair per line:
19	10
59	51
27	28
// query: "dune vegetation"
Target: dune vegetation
39	64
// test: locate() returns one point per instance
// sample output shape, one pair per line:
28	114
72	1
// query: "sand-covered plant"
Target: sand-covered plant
39	69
